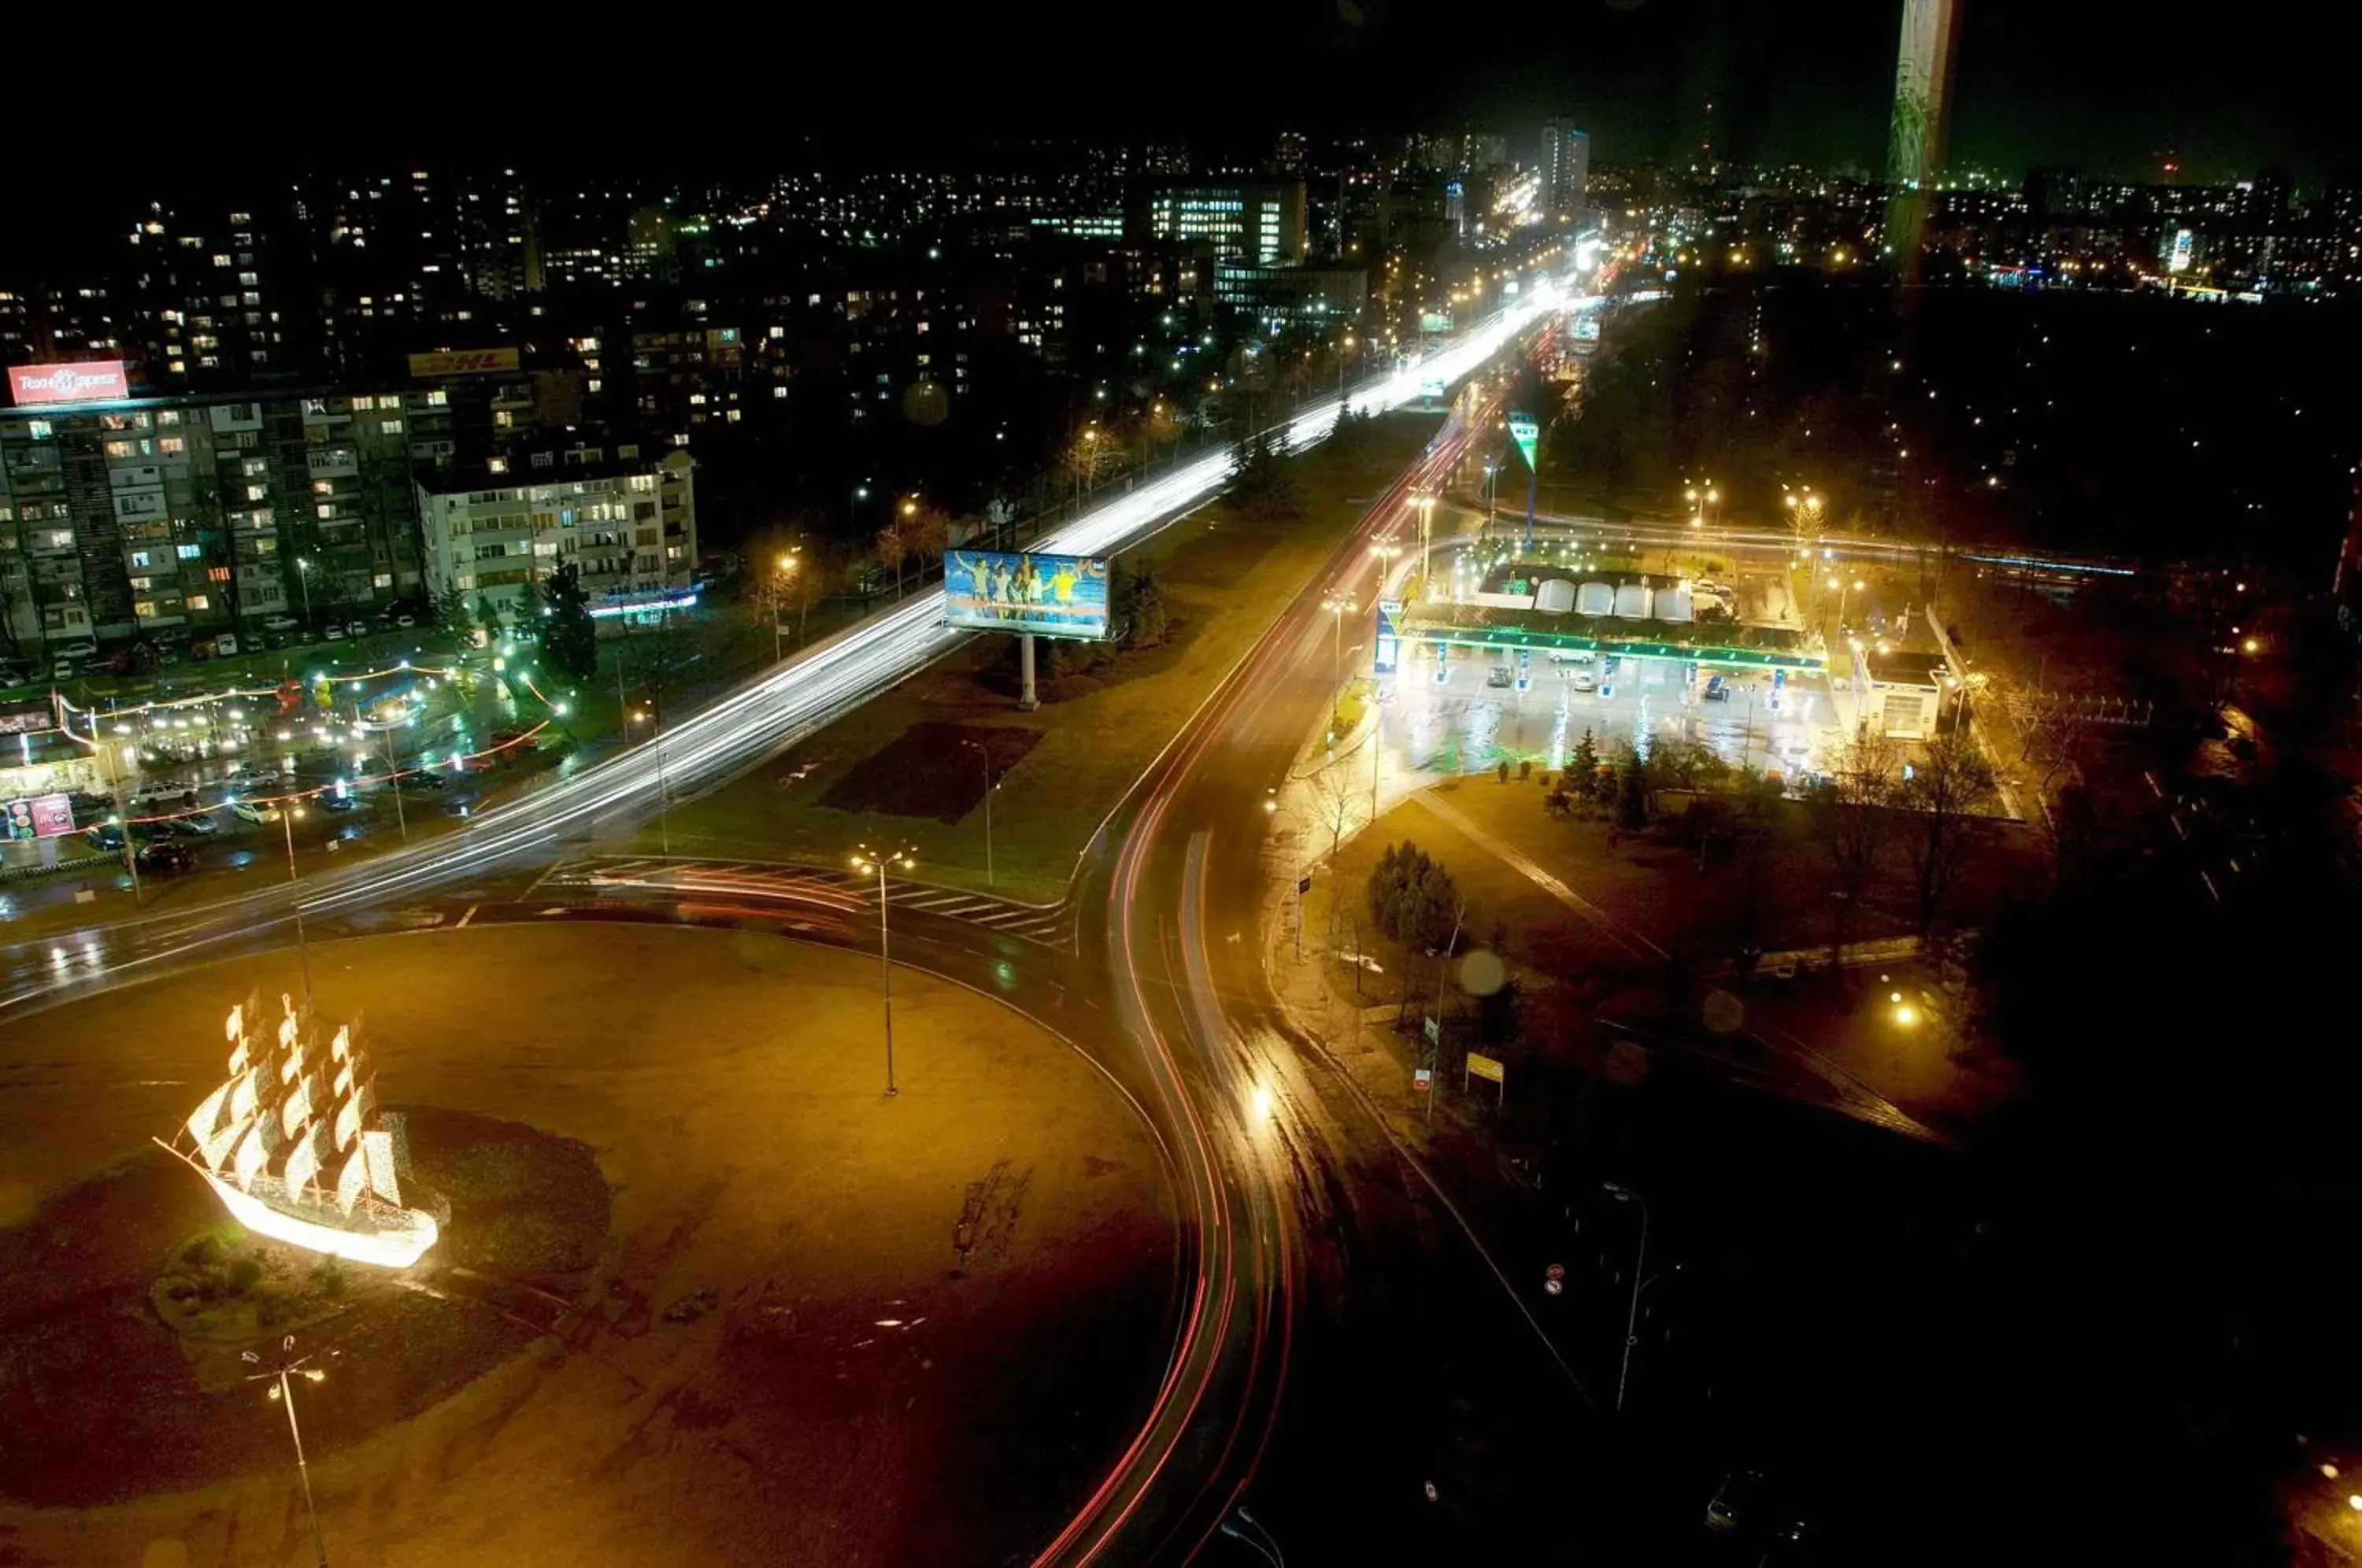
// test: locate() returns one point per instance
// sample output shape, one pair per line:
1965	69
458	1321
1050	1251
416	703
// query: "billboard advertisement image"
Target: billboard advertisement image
94	380
1052	596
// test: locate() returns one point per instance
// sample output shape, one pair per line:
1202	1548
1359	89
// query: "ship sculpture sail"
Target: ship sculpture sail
295	1145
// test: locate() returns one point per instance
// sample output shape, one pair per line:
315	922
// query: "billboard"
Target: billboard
42	816
464	363
94	380
1054	596
1386	652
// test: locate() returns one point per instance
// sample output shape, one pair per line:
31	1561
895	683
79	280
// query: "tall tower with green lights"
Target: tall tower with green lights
1923	117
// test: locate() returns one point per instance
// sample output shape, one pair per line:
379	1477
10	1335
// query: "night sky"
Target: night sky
2039	81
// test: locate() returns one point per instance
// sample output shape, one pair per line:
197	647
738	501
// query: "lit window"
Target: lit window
119	449
173	446
382	579
189	552
144	608
364	405
438	398
779	391
256	492
200	602
394	426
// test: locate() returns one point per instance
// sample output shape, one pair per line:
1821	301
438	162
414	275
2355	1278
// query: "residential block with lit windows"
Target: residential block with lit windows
627	524
154	516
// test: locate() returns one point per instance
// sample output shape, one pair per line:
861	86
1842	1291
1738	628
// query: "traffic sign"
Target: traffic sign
1555	1271
1434	1028
1484	1066
1525	432
1422	1080
1554	1285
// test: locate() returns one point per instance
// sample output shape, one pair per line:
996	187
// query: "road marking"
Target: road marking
468	916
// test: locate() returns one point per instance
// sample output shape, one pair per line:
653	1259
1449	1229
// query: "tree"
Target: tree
1414	901
487	614
1266	488
568	635
927	534
1853	824
1092	455
1632	792
893	549
1138	605
1685	763
1582	769
1944	789
451	610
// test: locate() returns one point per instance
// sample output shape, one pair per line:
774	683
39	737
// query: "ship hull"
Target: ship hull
385	1236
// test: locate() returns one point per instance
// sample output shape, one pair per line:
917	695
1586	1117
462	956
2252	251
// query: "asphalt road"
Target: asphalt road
1350	1347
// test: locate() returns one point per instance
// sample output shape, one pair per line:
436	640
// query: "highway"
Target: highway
1317	1252
704	750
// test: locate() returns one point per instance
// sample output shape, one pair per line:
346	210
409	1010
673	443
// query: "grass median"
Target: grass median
901	768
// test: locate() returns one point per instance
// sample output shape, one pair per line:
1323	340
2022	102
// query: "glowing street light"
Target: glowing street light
283	1393
868	860
785	569
1338	605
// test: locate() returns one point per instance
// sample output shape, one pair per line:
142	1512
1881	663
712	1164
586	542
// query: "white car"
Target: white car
1582	680
279	624
83	649
254	812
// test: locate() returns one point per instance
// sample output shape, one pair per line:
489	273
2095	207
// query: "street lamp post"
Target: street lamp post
1492	502
985	755
1639	1263
786	569
393	782
863	861
304	579
1338	604
1425	501
283	1393
287	815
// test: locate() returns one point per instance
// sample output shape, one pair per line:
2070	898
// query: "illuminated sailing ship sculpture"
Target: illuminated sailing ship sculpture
296	1147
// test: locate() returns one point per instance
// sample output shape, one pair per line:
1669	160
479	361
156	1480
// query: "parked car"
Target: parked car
198	825
106	835
280	622
165	859
76	651
336	633
405	620
1498	675
357	628
422	779
334	802
1718	689
226	644
11	675
254	812
64	670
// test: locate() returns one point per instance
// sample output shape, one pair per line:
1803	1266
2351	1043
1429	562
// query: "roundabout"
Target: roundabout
706	1294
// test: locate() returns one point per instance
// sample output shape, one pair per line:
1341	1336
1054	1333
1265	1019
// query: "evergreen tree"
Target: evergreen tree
1632	792
568	634
1266	488
1583	767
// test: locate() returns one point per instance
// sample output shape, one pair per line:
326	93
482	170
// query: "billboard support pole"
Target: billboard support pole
1026	698
1531	480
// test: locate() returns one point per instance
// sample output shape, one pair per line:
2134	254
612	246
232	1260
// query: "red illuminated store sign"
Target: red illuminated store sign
98	381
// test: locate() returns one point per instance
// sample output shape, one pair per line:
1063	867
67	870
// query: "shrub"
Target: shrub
244	1274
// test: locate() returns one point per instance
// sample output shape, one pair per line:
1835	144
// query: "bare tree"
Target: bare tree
1097	452
1947	785
1853	822
894	548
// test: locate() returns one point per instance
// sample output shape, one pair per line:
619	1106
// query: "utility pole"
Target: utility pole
1639	1264
864	861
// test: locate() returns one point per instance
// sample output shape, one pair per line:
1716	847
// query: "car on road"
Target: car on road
1582	678
1718	689
422	779
197	824
105	835
1572	655
254	812
165	859
1499	676
334	802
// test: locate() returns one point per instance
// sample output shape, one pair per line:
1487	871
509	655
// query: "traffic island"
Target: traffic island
705	1291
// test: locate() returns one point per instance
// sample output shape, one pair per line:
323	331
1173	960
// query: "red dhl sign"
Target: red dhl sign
98	380
463	362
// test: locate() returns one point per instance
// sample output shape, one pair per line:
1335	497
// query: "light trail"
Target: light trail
783	706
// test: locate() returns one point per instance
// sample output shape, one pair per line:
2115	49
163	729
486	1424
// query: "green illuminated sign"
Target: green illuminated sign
1525	432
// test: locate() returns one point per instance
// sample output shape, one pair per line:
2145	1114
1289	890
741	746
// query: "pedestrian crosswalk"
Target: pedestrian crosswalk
841	888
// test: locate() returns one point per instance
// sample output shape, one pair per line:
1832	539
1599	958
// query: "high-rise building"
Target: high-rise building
211	299
627	524
1565	169
1260	221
